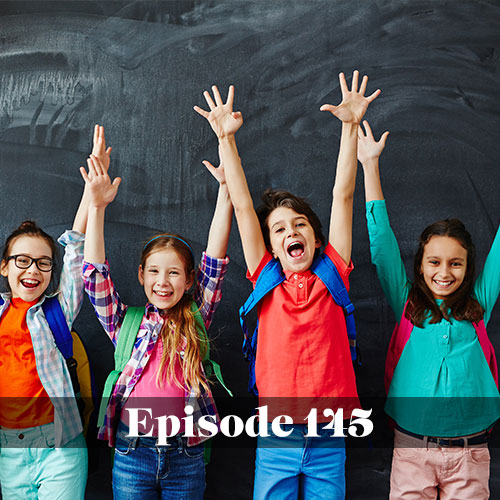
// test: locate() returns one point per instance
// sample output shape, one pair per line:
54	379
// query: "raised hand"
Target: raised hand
99	149
354	103
223	120
217	172
101	190
368	147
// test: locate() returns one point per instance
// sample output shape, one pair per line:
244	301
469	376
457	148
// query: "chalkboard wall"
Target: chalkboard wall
139	67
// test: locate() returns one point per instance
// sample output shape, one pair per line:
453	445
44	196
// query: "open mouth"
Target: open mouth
162	294
29	283
443	283
295	249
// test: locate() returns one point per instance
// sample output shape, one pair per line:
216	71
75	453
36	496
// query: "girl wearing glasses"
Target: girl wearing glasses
43	453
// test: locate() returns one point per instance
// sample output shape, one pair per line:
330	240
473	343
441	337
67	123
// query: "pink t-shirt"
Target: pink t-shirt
168	399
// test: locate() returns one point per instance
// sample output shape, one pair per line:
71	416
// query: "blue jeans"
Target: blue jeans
313	467
144	471
31	467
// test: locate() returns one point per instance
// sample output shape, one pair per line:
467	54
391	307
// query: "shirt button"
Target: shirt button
445	336
295	276
181	353
301	285
21	436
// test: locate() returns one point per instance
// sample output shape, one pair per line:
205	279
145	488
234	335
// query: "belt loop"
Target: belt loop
466	442
426	442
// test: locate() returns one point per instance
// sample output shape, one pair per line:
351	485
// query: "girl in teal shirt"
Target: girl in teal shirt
443	395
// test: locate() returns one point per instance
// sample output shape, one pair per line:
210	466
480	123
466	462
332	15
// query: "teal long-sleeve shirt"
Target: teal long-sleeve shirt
442	385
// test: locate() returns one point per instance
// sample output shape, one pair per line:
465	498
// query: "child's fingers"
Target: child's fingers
364	83
91	167
208	98
99	170
361	134
384	137
116	182
230	96
86	178
201	112
343	84
96	134
218	98
108	151
368	129
328	107
374	95
237	115
355	78
209	166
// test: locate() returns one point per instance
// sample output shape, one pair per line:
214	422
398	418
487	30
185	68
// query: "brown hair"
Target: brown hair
273	199
462	304
30	228
180	324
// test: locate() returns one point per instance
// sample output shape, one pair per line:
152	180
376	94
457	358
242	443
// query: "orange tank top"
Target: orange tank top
23	400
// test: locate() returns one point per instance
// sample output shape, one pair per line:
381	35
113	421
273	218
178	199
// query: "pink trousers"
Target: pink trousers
421	470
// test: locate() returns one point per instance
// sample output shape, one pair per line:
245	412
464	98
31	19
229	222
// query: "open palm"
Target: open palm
223	120
354	103
101	190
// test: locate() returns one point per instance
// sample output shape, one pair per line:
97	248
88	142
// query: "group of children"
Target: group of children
441	374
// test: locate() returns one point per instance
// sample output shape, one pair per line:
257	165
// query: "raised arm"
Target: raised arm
218	235
369	151
350	111
101	193
103	154
225	123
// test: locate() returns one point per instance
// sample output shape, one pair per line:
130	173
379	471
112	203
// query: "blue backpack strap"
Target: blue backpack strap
60	329
269	278
64	342
326	271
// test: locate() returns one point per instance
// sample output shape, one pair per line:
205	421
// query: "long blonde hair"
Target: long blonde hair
180	324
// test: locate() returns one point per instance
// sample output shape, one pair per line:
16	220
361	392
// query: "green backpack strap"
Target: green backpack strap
123	352
211	367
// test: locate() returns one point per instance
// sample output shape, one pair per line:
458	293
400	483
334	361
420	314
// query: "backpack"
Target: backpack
270	277
123	352
402	332
77	360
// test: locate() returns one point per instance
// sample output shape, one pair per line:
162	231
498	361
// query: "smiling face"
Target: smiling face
292	239
27	284
164	278
444	265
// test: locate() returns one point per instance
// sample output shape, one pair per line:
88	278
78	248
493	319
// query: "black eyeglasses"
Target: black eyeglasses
44	264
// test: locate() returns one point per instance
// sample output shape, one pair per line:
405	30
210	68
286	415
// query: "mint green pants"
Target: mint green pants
37	470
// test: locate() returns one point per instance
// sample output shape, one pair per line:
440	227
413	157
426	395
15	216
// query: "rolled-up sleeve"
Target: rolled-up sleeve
70	292
208	292
104	298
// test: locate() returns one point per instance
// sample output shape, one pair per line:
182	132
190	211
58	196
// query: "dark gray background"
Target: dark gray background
139	67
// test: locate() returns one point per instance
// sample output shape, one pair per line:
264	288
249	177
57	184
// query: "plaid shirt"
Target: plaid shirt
110	311
50	363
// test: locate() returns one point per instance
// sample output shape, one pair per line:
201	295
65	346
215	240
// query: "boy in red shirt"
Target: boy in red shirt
303	348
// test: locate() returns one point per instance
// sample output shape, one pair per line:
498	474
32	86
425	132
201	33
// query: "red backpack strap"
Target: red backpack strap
487	347
400	336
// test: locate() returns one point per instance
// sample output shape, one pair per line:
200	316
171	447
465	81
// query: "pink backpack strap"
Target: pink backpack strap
400	336
487	347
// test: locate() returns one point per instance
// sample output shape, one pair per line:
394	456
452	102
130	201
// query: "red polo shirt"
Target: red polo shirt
303	348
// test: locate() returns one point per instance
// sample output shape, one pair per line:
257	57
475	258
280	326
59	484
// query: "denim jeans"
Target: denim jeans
145	471
297	466
32	468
